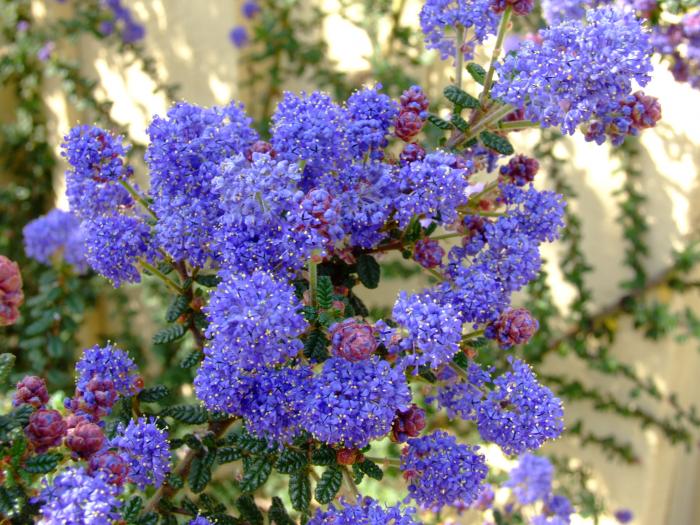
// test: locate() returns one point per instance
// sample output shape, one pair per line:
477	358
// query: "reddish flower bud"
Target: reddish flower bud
415	100
11	295
352	340
260	147
349	456
31	391
520	170
111	464
411	153
85	439
46	429
428	253
646	110
408	125
514	327
407	424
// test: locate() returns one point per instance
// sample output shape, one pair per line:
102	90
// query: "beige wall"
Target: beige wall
189	41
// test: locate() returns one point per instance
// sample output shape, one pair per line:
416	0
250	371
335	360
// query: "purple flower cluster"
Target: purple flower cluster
371	114
578	70
680	45
56	233
440	17
146	449
439	471
531	479
76	497
123	21
364	510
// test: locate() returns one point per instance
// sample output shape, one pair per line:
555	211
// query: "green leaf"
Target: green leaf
200	471
229	454
278	514
189	506
147	519
7	361
169	334
477	72
439	123
459	123
300	491
290	461
251	444
496	143
43	463
178	307
192	359
256	470
192	414
357	473
316	346
211	504
154	393
324	292
21	414
249	510
132	508
368	270
210	281
460	97
324	456
371	469
329	485
12	500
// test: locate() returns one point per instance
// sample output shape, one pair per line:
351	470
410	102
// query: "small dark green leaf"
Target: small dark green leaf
300	491
460	97
178	307
329	485
43	463
496	143
290	461
371	469
200	471
7	361
368	270
169	334
477	72
148	519
316	346
21	414
192	414
229	454
357	473
324	292
249	510
210	281
439	123
192	359
154	393
278	514
132	508
189	506
459	123
251	444
256	470
324	456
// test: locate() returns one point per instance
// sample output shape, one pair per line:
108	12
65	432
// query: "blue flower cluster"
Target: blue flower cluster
440	471
56	234
364	510
579	70
146	450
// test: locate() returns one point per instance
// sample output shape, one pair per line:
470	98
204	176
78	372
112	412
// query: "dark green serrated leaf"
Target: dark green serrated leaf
477	72
43	463
256	470
324	292
323	456
300	491
12	501
168	519
187	504
132	508
290	461
461	98
496	143
459	123
229	454
357	474
278	514
169	334
368	270
147	519
439	123
470	143
249	510
211	504
210	281
192	414
176	481
371	469
461	360
178	307
200	471
192	359
316	346
357	305
412	231
154	393
21	414
251	444
7	361
329	485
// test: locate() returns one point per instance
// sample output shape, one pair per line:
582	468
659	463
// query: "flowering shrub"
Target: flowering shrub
264	245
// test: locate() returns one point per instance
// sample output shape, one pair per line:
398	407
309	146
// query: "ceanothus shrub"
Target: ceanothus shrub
264	244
